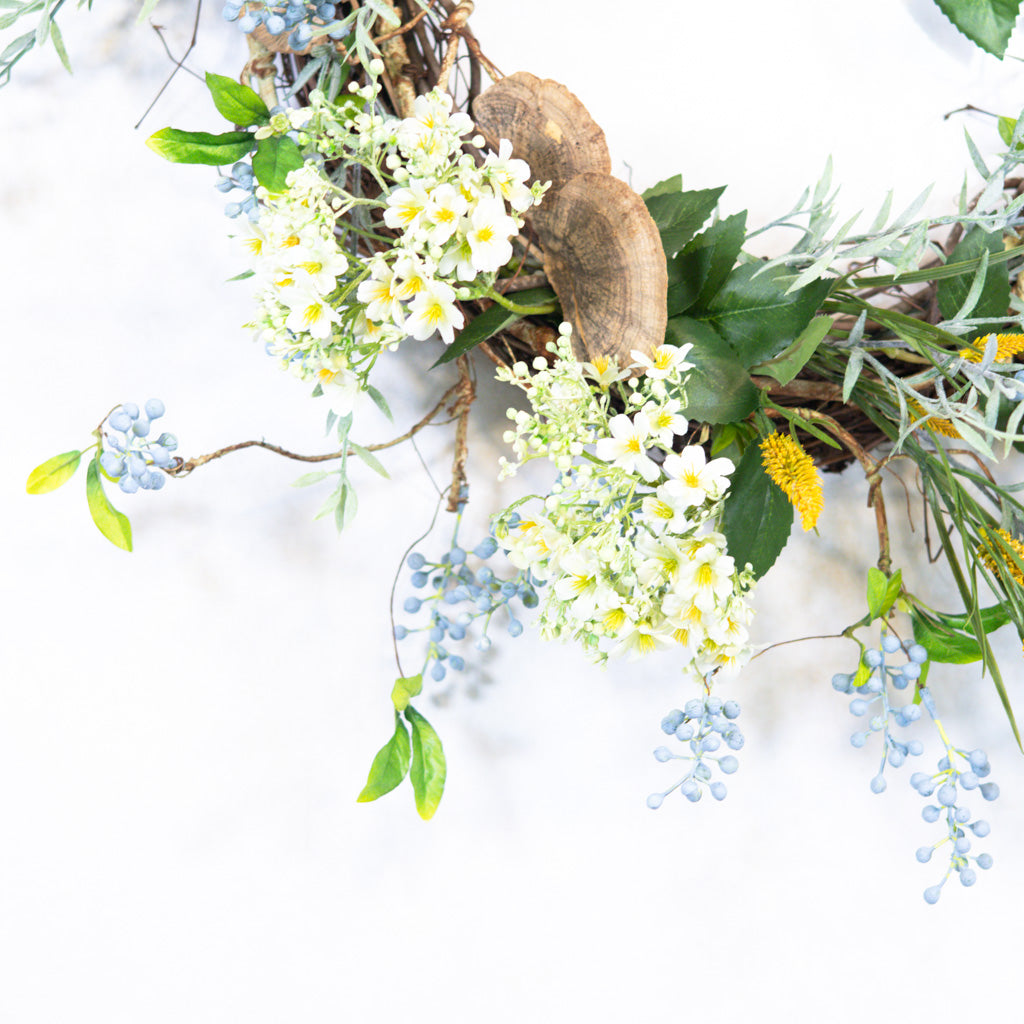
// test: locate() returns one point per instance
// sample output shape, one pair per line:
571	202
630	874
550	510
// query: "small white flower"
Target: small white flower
434	310
444	213
626	448
406	207
666	420
605	371
489	234
694	478
664	360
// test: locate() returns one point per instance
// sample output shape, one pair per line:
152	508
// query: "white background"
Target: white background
183	730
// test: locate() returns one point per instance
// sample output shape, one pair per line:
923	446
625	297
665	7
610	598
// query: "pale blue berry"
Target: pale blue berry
932	894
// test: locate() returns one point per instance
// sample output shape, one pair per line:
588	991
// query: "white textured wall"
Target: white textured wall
183	730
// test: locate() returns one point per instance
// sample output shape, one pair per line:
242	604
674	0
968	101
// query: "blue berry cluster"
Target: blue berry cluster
241	177
874	690
299	20
704	724
957	770
457	596
129	456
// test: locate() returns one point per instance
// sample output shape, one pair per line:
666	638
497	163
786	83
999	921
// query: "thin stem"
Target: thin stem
512	307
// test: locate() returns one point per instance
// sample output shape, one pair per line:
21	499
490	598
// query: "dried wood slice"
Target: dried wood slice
603	257
548	127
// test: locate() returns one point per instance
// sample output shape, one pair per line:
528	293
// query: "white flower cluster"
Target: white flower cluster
625	540
326	311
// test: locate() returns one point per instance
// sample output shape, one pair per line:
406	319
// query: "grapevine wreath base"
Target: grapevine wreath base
392	184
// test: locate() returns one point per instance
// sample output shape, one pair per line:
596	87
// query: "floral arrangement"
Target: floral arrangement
686	394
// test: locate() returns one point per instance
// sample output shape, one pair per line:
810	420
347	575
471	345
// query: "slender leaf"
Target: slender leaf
370	459
428	769
57	39
181	147
378	400
308	479
112	524
990	284
236	102
53	472
490	322
390	765
273	160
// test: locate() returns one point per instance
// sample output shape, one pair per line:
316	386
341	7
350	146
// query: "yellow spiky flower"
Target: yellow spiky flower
789	466
937	423
1011	542
1007	346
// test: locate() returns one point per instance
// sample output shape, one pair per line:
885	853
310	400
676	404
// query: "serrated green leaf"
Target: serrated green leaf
112	524
390	765
428	770
53	472
756	314
697	273
680	215
757	517
882	591
788	363
274	158
490	322
942	643
405	688
236	102
994	298
718	389
181	147
670	186
370	459
987	23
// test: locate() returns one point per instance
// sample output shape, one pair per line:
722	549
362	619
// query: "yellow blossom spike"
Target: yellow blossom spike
1011	542
1007	346
789	466
937	423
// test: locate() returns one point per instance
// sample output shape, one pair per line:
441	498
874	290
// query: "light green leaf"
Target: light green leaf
236	102
58	44
148	7
405	689
370	459
428	769
668	187
718	390
944	644
757	517
788	363
53	472
992	618
987	23
308	479
274	158
390	765
345	510
882	591
181	147
378	400
852	373
112	524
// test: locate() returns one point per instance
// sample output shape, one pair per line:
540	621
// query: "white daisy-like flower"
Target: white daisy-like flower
693	478
406	207
378	294
490	230
627	447
310	313
605	371
663	361
434	310
444	213
666	420
508	177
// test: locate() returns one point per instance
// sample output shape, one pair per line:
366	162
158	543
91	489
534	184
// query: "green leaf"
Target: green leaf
58	44
680	215
275	157
345	510
788	363
698	272
992	618
718	390
757	315
53	472
308	479
112	524
148	7
670	186
428	764
987	23
882	591
182	147
405	689
994	300
944	644
757	516
236	102
378	400
490	322
1007	125
390	765
370	459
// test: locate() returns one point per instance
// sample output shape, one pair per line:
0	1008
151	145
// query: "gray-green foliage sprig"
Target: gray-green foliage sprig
46	28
